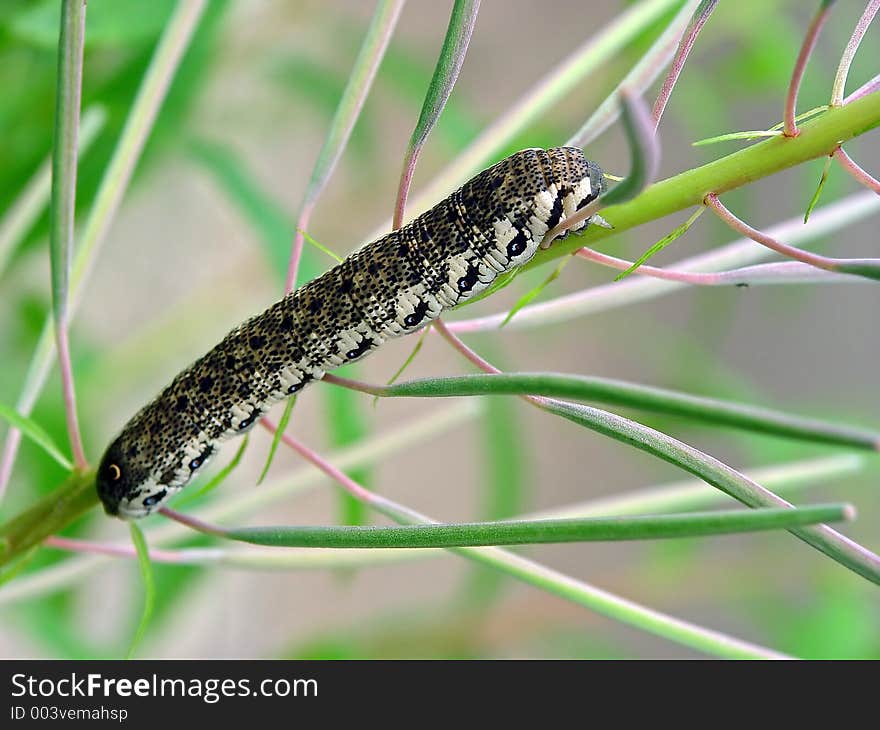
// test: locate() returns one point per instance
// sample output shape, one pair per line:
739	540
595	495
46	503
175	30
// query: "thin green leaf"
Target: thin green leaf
839	548
35	433
819	188
642	397
405	76
219	477
320	247
869	268
751	134
774	131
143	555
662	243
803	116
449	63
276	437
64	154
678	496
534	292
530	532
63	199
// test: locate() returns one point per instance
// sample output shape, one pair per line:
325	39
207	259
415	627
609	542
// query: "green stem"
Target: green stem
51	514
519	532
817	138
630	395
63	202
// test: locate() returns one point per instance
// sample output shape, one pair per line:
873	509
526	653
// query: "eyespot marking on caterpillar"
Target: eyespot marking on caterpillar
390	287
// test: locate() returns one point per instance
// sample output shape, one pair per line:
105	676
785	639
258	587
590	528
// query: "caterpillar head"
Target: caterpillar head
124	485
133	480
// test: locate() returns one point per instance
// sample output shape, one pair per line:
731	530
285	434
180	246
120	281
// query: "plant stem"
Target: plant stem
839	86
685	45
63	204
818	138
865	267
449	63
555	582
51	514
604	297
786	272
790	123
863	177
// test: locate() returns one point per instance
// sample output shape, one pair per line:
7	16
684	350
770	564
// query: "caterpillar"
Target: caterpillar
388	288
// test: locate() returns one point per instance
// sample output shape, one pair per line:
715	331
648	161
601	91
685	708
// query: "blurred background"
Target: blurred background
201	242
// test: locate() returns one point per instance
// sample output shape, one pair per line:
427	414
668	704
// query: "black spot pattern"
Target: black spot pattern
414	319
466	282
517	245
389	287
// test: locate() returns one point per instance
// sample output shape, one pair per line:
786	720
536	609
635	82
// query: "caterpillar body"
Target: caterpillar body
390	287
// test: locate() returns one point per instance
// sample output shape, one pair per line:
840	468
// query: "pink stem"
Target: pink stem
103	548
385	506
869	87
357	385
193	522
79	456
591	208
484	365
849	52
790	127
687	277
296	249
462	348
685	45
860	175
613	262
406	176
10	448
763	273
821	262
